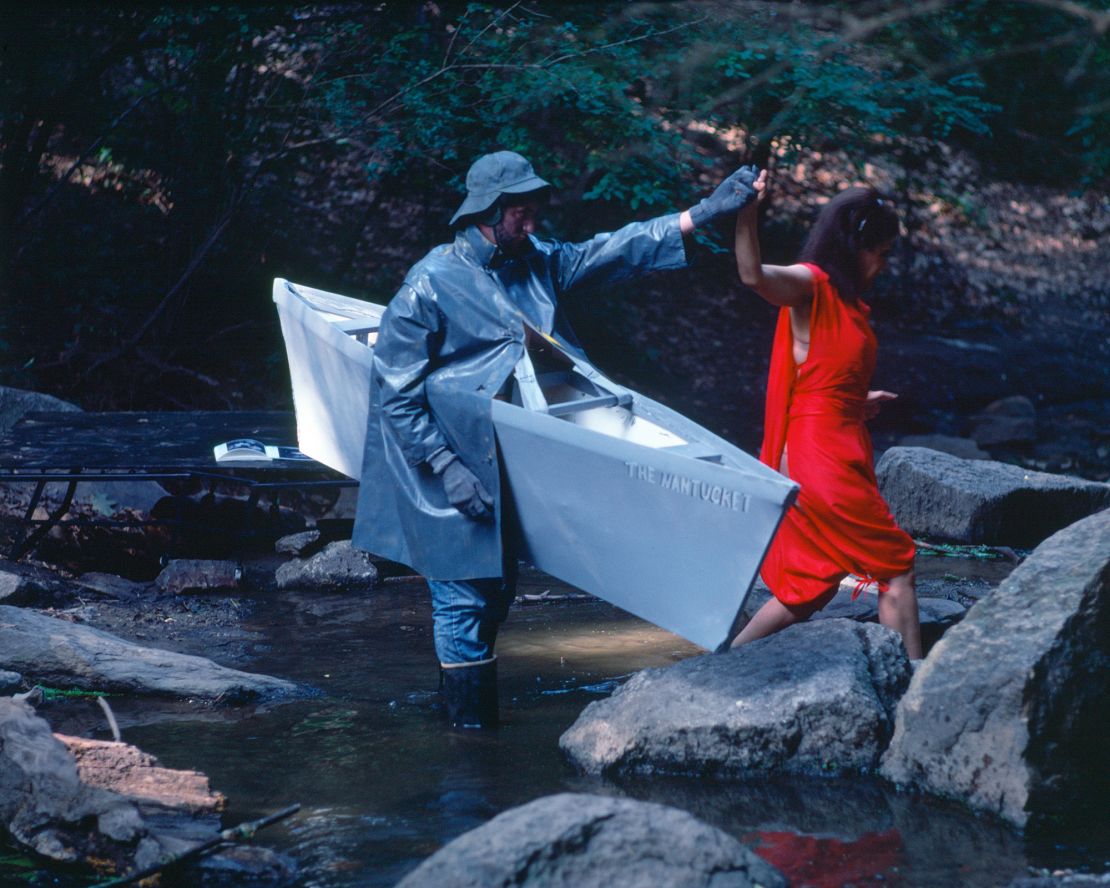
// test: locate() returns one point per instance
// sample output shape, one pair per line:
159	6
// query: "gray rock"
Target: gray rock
10	681
964	448
301	544
112	586
15	402
593	841
1008	711
10	584
103	805
339	566
42	800
50	651
187	575
1008	421
30	585
818	696
939	496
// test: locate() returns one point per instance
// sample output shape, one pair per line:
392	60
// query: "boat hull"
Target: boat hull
330	375
674	540
627	500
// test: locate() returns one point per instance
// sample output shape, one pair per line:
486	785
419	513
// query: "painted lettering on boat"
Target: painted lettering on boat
692	487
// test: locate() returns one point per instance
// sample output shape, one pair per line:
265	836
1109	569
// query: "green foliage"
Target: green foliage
70	693
439	93
1048	73
209	148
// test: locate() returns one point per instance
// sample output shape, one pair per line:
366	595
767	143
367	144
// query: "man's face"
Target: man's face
517	222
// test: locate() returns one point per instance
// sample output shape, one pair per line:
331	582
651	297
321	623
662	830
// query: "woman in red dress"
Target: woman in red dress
817	403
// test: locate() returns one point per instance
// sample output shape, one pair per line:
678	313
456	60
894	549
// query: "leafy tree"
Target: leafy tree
158	164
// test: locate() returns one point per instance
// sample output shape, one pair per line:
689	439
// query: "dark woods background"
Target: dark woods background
160	166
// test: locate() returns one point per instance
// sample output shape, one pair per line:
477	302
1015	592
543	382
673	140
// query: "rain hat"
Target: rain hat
491	175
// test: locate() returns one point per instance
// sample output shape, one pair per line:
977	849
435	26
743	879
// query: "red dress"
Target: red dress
840	523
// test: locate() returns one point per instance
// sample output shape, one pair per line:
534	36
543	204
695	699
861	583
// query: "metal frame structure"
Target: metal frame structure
74	447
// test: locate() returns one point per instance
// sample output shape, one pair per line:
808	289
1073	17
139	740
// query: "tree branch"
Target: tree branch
49	196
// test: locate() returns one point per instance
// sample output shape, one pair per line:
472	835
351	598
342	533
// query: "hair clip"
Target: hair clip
878	202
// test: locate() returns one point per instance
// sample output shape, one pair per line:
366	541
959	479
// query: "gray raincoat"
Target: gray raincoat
448	342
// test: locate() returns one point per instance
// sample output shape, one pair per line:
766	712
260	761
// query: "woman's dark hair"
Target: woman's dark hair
856	219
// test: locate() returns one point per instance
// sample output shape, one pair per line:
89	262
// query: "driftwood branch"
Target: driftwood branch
237	833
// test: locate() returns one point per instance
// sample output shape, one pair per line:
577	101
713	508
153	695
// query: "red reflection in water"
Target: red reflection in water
872	859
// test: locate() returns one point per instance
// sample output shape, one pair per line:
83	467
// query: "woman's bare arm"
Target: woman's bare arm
779	284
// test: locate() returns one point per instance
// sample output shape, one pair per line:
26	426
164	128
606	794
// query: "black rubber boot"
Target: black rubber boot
470	694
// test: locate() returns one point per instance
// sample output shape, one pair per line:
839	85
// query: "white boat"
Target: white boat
616	494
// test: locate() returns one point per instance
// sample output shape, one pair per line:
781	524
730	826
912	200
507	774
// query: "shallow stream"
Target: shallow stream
382	785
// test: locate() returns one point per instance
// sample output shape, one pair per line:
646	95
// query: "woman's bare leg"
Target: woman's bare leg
898	611
775	616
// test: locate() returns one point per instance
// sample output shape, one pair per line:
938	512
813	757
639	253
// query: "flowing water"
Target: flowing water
382	785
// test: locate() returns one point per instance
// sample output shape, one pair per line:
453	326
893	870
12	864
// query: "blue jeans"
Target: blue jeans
466	614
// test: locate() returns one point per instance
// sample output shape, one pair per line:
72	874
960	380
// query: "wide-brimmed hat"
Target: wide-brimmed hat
491	175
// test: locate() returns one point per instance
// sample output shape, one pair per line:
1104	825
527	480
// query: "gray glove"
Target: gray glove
464	491
733	194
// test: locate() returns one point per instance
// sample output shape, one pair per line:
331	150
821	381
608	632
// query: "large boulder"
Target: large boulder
816	697
16	402
51	651
1008	712
939	496
594	842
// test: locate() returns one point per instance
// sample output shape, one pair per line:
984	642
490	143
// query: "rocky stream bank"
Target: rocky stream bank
1002	717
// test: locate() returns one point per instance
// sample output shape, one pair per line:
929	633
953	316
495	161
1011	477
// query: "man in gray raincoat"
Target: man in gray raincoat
431	492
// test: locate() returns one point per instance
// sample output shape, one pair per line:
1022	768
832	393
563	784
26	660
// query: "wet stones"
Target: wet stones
816	697
42	800
1008	712
340	566
191	575
15	402
594	842
939	496
28	585
107	806
55	652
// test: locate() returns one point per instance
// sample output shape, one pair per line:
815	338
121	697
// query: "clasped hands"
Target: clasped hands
731	196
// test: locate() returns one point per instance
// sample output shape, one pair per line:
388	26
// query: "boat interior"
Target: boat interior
564	392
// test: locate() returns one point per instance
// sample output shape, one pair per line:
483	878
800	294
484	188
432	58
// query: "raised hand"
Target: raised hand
733	194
